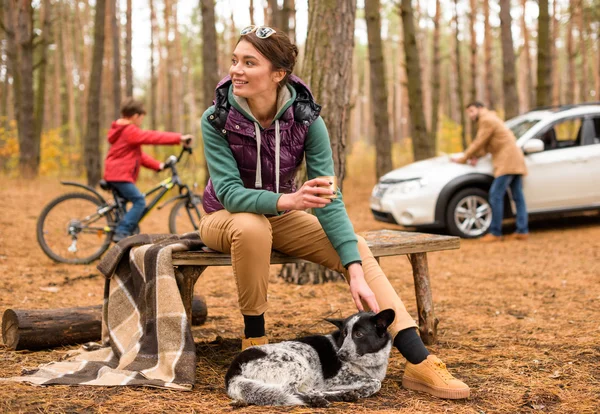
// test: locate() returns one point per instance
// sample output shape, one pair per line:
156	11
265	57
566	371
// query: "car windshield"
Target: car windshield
522	126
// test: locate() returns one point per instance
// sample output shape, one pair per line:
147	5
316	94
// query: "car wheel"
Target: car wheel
469	215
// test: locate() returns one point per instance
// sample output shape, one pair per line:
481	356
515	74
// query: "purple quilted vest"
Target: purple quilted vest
240	133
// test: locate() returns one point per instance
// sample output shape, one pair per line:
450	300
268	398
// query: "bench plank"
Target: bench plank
381	242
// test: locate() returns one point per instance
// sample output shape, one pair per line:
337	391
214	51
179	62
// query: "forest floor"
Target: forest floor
519	321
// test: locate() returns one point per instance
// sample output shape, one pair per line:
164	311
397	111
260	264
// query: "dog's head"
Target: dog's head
363	338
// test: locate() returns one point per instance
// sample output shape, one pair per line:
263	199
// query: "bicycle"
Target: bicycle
88	220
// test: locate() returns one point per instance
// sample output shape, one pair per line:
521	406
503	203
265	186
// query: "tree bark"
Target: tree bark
556	84
544	68
170	125
435	73
116	50
459	80
423	147
571	73
331	39
252	12
487	51
473	93
49	328
29	148
583	52
210	68
529	96
41	75
92	137
379	94
128	40
153	31
511	99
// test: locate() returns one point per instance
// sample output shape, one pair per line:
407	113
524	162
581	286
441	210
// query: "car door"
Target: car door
554	180
590	160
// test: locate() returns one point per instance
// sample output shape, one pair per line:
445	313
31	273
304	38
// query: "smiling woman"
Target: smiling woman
263	124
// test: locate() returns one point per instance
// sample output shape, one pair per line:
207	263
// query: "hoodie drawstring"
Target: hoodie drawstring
277	144
258	178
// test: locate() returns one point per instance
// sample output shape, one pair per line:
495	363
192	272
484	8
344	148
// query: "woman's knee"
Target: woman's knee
252	227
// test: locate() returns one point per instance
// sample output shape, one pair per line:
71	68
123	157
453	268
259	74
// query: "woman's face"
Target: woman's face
251	72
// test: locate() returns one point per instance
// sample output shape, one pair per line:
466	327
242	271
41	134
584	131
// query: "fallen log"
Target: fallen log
48	328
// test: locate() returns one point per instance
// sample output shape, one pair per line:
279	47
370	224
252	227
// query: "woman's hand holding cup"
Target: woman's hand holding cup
315	193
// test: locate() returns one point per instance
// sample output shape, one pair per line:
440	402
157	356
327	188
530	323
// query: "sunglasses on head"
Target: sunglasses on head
262	32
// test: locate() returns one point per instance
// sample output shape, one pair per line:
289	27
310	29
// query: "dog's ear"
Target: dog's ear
383	320
339	323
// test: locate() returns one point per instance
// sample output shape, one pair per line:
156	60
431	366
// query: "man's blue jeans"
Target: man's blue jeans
496	198
130	192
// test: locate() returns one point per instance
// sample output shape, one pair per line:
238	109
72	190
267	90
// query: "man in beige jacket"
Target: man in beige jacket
509	168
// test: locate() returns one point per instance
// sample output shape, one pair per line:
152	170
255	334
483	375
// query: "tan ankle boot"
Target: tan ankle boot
431	376
248	342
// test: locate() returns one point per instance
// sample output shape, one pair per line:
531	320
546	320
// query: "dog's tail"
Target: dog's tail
260	393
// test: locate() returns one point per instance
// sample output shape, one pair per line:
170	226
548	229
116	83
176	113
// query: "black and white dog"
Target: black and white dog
346	365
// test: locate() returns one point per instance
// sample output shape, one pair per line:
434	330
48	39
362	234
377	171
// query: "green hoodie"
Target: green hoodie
231	192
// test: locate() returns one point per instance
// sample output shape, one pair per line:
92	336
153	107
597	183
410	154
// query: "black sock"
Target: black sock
411	346
254	326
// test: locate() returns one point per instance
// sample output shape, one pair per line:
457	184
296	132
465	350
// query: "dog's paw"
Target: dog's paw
314	401
238	404
351	396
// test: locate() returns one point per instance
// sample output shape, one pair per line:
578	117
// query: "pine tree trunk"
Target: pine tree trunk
28	146
330	39
435	73
571	73
487	50
292	30
177	64
473	93
284	16
423	147
556	86
153	31
92	138
41	75
583	52
210	68
252	12
116	50
529	96
379	95
66	43
511	99
459	81
128	40
544	68
168	67
56	106
86	61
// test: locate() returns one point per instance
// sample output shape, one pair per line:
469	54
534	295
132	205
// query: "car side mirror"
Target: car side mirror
533	145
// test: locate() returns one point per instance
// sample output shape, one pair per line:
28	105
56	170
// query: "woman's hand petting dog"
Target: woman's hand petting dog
360	290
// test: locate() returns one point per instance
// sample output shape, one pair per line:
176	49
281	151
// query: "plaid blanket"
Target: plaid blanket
146	337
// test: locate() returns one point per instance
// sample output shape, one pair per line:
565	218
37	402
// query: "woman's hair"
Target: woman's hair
278	49
131	107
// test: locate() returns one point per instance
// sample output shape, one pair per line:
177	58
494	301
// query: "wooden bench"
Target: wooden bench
190	266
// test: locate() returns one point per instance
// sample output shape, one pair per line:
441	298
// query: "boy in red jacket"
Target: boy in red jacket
125	156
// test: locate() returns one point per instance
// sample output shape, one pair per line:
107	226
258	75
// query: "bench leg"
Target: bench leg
427	320
187	277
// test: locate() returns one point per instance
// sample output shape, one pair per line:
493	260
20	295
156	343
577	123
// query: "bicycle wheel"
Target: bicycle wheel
185	215
70	229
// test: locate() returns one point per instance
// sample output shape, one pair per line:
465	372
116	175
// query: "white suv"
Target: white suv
562	152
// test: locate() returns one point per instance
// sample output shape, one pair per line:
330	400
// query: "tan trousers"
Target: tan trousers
249	238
